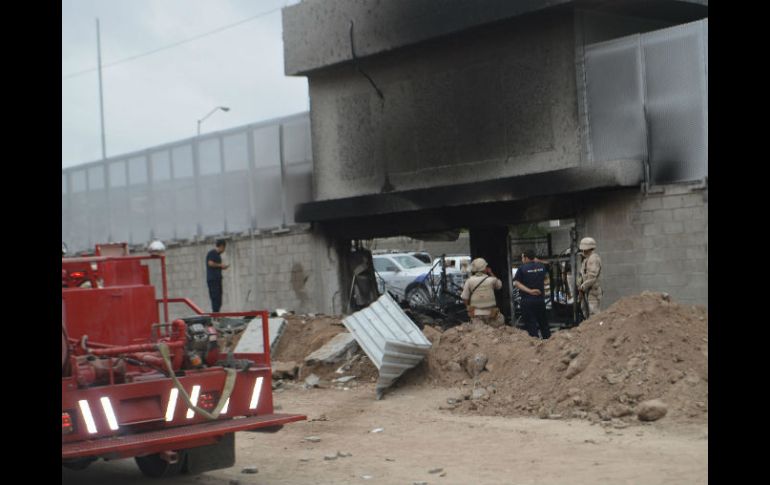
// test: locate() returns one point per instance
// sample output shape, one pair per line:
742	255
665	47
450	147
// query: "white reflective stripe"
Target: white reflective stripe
171	404
111	420
194	399
85	409
255	393
224	408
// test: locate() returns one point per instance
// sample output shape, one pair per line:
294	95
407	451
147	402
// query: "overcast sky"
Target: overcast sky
158	98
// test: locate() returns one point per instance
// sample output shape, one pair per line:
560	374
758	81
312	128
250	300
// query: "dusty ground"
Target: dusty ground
417	437
588	381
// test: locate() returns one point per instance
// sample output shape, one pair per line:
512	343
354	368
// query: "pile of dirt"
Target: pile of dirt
643	347
304	334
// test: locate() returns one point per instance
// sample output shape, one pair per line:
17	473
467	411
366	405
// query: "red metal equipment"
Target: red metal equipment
134	385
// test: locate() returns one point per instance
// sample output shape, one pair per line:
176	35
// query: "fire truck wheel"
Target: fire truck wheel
154	466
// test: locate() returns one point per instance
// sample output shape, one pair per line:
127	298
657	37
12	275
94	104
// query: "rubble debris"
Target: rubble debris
377	430
342	346
344	379
312	439
330	457
647	348
651	410
476	364
284	370
312	381
436	470
250	470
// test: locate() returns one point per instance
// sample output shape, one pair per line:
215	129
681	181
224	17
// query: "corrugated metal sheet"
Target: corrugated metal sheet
391	340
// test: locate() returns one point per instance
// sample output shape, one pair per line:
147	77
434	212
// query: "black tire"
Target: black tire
155	467
417	296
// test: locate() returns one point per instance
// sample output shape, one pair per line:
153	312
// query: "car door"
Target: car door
388	271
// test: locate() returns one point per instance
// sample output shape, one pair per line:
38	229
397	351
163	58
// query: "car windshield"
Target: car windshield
408	262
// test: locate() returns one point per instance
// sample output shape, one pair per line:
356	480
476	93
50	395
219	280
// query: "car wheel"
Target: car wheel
417	296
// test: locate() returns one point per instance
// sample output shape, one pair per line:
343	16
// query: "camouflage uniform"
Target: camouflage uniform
589	273
483	299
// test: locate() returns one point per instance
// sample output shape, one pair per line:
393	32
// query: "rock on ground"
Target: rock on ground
651	410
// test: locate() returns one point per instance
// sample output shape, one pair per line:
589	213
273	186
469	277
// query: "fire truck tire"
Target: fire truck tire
155	467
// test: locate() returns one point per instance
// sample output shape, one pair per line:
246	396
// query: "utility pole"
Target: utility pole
101	97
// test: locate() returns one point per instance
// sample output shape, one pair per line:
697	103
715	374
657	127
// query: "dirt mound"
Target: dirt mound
641	348
304	334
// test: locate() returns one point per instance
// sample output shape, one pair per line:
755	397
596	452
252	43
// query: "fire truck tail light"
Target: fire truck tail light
171	404
111	420
85	409
255	393
194	399
66	423
77	274
208	401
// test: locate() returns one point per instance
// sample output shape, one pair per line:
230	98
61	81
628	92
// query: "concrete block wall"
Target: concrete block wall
656	242
267	271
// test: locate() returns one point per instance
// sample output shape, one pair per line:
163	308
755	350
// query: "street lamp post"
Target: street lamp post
223	108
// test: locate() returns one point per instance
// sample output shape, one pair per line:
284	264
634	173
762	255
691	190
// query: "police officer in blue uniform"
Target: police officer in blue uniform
530	280
214	269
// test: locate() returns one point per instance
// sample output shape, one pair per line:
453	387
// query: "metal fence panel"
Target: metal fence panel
676	102
206	186
646	99
615	96
236	182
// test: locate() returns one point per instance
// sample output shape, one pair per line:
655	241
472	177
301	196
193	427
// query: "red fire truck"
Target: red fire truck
170	394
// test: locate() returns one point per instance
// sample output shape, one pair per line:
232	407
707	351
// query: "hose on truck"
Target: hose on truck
226	390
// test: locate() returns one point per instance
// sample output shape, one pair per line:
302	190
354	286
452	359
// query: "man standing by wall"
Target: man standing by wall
214	269
589	275
530	280
479	295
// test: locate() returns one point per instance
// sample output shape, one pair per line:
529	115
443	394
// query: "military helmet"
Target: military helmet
478	264
587	243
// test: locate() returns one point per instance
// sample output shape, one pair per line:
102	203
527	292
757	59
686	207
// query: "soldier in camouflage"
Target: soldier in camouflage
479	295
589	288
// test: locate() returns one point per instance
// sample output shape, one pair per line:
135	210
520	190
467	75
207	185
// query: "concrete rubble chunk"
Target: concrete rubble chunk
250	470
312	439
251	340
335	350
377	430
312	380
284	370
476	364
651	410
344	379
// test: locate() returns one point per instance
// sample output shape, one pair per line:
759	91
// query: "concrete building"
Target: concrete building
427	116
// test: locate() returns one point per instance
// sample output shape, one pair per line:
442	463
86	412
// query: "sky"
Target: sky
158	98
